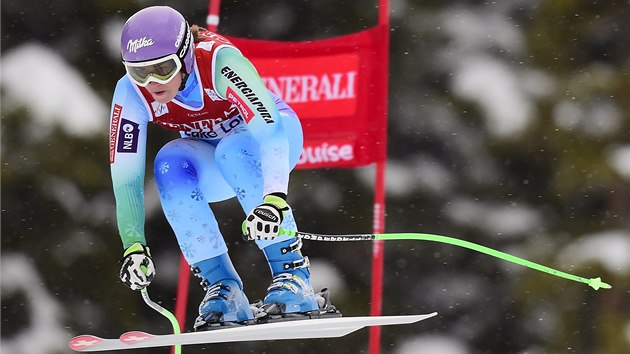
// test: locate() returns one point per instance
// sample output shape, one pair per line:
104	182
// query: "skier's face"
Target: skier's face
164	93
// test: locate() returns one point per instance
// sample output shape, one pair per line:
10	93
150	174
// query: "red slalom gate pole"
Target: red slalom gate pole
377	257
374	345
212	22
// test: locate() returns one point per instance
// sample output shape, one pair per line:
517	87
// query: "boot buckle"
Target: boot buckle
293	247
297	264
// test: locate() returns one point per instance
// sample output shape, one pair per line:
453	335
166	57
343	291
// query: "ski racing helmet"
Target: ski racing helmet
156	44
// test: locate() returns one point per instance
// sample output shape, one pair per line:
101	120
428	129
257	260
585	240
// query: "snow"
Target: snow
494	86
111	31
504	91
610	248
620	160
480	29
45	333
328	195
501	219
595	118
325	275
66	192
63	95
399	178
432	344
422	173
448	290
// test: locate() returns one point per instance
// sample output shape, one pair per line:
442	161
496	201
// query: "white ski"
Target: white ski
302	329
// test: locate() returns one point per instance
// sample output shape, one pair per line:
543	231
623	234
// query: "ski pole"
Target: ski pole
595	283
164	312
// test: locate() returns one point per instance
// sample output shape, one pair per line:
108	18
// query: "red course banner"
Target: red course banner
337	87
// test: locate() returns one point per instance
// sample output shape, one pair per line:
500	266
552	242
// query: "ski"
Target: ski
303	329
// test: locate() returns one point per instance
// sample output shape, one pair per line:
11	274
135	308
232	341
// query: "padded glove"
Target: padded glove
137	269
263	223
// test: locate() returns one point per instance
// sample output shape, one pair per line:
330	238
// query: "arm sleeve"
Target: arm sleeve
236	79
128	136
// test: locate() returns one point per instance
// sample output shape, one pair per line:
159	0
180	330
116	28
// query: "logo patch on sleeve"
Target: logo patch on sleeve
233	97
113	131
128	136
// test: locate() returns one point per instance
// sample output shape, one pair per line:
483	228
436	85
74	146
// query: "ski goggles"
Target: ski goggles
160	70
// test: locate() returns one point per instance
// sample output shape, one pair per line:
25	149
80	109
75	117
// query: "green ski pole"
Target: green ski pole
595	283
164	312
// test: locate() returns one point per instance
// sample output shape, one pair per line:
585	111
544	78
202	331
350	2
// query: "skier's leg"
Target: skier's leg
182	168
238	159
179	169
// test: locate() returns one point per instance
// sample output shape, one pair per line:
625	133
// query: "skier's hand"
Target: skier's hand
137	269
263	223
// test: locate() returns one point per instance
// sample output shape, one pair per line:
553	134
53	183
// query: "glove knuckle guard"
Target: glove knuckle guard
137	270
263	223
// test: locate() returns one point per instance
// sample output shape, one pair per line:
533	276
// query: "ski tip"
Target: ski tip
134	337
426	316
83	342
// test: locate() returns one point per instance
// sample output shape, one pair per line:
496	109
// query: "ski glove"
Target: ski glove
263	223
137	269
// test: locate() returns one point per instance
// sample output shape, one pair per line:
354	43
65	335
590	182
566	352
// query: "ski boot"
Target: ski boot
290	295
225	303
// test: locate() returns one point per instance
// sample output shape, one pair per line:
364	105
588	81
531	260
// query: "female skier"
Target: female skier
237	139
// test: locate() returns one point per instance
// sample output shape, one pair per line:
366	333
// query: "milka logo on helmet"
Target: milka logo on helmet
180	36
134	44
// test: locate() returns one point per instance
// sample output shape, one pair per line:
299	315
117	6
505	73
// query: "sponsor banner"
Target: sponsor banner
113	131
338	88
319	153
315	87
